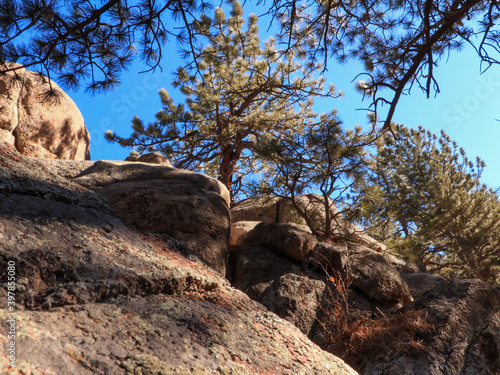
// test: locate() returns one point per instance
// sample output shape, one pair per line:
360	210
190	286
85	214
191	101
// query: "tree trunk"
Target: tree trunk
227	167
230	156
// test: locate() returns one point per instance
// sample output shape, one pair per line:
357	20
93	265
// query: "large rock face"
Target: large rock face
369	271
42	127
95	296
157	199
265	210
292	240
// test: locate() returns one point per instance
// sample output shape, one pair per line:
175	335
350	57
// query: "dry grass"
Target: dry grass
381	337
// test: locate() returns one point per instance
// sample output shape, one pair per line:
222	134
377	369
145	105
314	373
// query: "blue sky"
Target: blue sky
466	108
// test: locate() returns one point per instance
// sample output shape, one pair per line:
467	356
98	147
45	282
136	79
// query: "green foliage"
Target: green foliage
239	94
323	158
399	43
425	198
88	40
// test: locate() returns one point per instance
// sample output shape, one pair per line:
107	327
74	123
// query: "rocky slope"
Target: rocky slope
355	299
97	296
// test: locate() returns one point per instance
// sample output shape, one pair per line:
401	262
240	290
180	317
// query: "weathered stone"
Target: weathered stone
298	299
282	210
47	127
375	276
67	169
167	198
370	272
240	232
132	157
95	296
329	256
421	283
466	338
159	199
154	158
253	270
255	209
28	176
280	284
294	241
314	207
412	267
396	261
179	209
106	172
360	236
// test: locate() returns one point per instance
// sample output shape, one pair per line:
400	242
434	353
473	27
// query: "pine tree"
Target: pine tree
247	93
425	197
321	159
90	42
399	42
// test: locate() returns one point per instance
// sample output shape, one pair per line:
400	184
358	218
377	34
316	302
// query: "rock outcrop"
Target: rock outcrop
420	283
97	296
292	240
119	270
264	210
393	318
465	315
158	199
283	211
370	271
151	157
280	284
39	125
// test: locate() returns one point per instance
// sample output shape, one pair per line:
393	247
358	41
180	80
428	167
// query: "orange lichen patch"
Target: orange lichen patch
128	315
260	327
76	358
